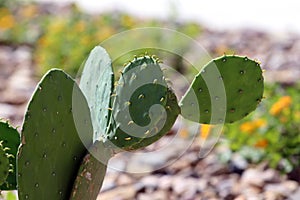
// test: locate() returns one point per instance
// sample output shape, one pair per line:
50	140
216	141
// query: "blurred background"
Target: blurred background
256	158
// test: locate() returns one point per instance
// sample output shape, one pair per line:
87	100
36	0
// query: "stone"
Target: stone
124	179
284	188
252	177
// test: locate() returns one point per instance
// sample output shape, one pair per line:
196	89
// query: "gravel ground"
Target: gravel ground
190	177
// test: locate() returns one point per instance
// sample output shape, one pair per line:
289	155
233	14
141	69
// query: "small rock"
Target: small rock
272	195
150	181
7	111
156	195
284	189
165	182
124	179
252	177
119	193
295	195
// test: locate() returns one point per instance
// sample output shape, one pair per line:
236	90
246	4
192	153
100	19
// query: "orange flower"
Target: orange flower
250	127
280	105
259	123
205	131
261	143
247	127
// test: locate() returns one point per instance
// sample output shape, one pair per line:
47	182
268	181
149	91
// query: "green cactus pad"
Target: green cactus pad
173	111
140	109
97	85
226	90
4	165
10	140
51	150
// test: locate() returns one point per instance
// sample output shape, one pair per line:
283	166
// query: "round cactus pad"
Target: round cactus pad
226	89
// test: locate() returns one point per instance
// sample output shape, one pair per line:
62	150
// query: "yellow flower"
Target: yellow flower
7	22
104	33
205	131
297	115
280	105
80	26
261	143
57	25
127	21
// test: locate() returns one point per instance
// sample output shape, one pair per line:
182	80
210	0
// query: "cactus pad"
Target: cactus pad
97	85
140	113
4	164
51	150
227	89
10	141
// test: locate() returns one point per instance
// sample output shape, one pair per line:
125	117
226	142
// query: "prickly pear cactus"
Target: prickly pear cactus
4	164
97	84
144	108
226	90
51	150
10	143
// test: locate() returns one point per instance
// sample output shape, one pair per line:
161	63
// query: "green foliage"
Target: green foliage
10	142
226	90
272	132
51	150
